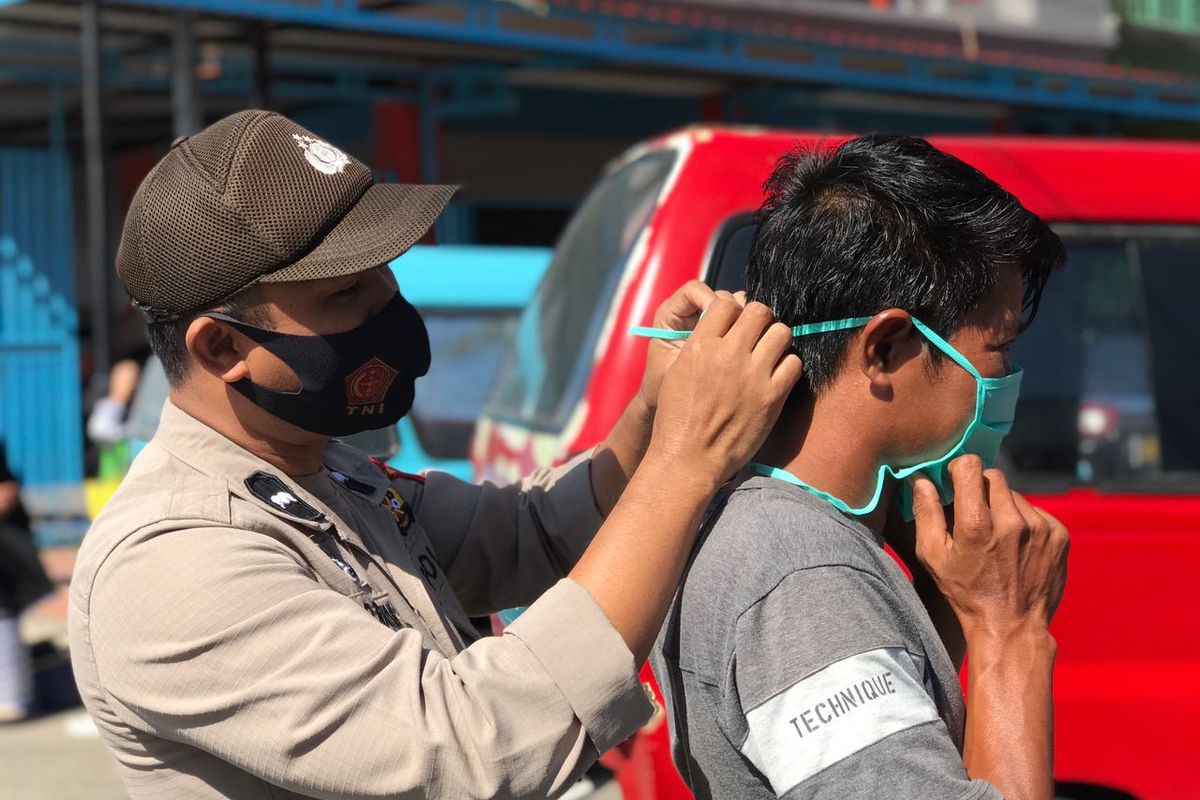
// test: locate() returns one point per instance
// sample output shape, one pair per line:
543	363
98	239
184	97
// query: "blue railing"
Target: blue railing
564	31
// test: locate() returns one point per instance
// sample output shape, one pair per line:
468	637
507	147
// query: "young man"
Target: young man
261	611
798	661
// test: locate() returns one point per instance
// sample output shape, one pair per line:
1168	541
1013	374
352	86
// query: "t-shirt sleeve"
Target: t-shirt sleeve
827	701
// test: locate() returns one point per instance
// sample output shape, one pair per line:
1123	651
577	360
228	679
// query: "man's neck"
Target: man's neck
826	445
294	452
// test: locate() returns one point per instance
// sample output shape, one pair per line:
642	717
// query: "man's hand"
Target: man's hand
1002	567
717	402
725	388
679	312
901	536
614	462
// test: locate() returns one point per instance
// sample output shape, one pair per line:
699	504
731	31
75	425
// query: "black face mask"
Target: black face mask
358	380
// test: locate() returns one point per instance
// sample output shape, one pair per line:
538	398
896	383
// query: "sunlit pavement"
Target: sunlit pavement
57	755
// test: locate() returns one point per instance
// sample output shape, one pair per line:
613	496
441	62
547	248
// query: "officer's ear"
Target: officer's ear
217	349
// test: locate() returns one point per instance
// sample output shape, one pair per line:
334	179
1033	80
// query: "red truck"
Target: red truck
1107	436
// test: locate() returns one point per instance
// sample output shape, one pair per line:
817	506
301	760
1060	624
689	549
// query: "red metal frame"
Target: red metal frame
1129	652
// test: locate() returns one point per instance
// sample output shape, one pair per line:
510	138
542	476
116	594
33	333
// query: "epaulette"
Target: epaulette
393	474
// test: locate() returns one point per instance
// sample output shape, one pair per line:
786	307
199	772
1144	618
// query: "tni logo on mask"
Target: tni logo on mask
367	387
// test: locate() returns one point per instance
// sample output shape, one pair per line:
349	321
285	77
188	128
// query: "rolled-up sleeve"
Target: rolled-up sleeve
502	546
244	655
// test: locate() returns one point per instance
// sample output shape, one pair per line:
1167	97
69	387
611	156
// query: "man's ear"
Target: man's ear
217	349
886	342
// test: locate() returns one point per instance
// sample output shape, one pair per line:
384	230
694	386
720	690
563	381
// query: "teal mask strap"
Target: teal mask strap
947	348
840	325
826	327
659	333
799	330
832	325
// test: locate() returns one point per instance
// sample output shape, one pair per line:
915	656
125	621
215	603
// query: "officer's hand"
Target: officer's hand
724	390
1003	563
679	312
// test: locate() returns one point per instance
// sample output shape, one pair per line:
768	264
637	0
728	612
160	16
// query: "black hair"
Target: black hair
888	222
167	333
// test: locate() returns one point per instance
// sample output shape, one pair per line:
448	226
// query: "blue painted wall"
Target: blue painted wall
40	416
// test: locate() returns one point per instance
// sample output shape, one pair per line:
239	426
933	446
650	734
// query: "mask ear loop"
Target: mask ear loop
885	469
259	335
958	358
947	348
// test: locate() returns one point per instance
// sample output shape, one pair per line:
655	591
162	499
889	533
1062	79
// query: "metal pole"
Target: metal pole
58	119
428	123
95	150
262	78
429	128
185	104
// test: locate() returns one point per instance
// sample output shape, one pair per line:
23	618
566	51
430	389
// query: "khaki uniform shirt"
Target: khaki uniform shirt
237	633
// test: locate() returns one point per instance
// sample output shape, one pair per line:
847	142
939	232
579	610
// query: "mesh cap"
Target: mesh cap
257	198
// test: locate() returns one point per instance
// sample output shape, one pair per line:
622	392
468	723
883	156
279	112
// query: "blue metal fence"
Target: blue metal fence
40	417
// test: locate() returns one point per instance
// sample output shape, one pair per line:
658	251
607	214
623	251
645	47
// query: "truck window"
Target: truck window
559	329
731	253
1112	363
468	350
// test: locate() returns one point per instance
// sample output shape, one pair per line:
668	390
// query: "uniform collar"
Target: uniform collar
247	476
354	470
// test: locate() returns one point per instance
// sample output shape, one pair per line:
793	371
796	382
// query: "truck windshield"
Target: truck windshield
559	329
468	350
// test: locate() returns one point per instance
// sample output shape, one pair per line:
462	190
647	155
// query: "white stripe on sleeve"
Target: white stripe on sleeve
834	713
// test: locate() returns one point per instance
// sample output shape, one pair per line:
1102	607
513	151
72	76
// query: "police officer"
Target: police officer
261	611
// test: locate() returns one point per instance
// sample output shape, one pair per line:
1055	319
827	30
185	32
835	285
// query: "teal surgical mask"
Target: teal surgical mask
995	408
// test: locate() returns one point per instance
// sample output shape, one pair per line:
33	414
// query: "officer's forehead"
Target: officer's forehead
325	305
322	287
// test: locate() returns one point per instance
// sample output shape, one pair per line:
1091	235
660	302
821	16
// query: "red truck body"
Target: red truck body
1127	690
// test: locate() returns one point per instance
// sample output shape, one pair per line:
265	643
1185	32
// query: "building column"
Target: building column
185	101
95	148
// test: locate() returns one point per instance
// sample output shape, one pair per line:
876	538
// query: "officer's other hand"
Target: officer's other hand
724	389
679	312
1002	565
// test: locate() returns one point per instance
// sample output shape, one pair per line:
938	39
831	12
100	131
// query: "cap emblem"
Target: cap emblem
323	156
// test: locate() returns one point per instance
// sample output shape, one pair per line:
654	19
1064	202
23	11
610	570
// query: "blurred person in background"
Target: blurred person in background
22	582
261	610
107	421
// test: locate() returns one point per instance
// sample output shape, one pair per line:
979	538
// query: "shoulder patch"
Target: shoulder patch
272	490
393	474
834	713
396	504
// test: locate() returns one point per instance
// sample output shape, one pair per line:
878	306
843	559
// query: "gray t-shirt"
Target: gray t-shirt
798	662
